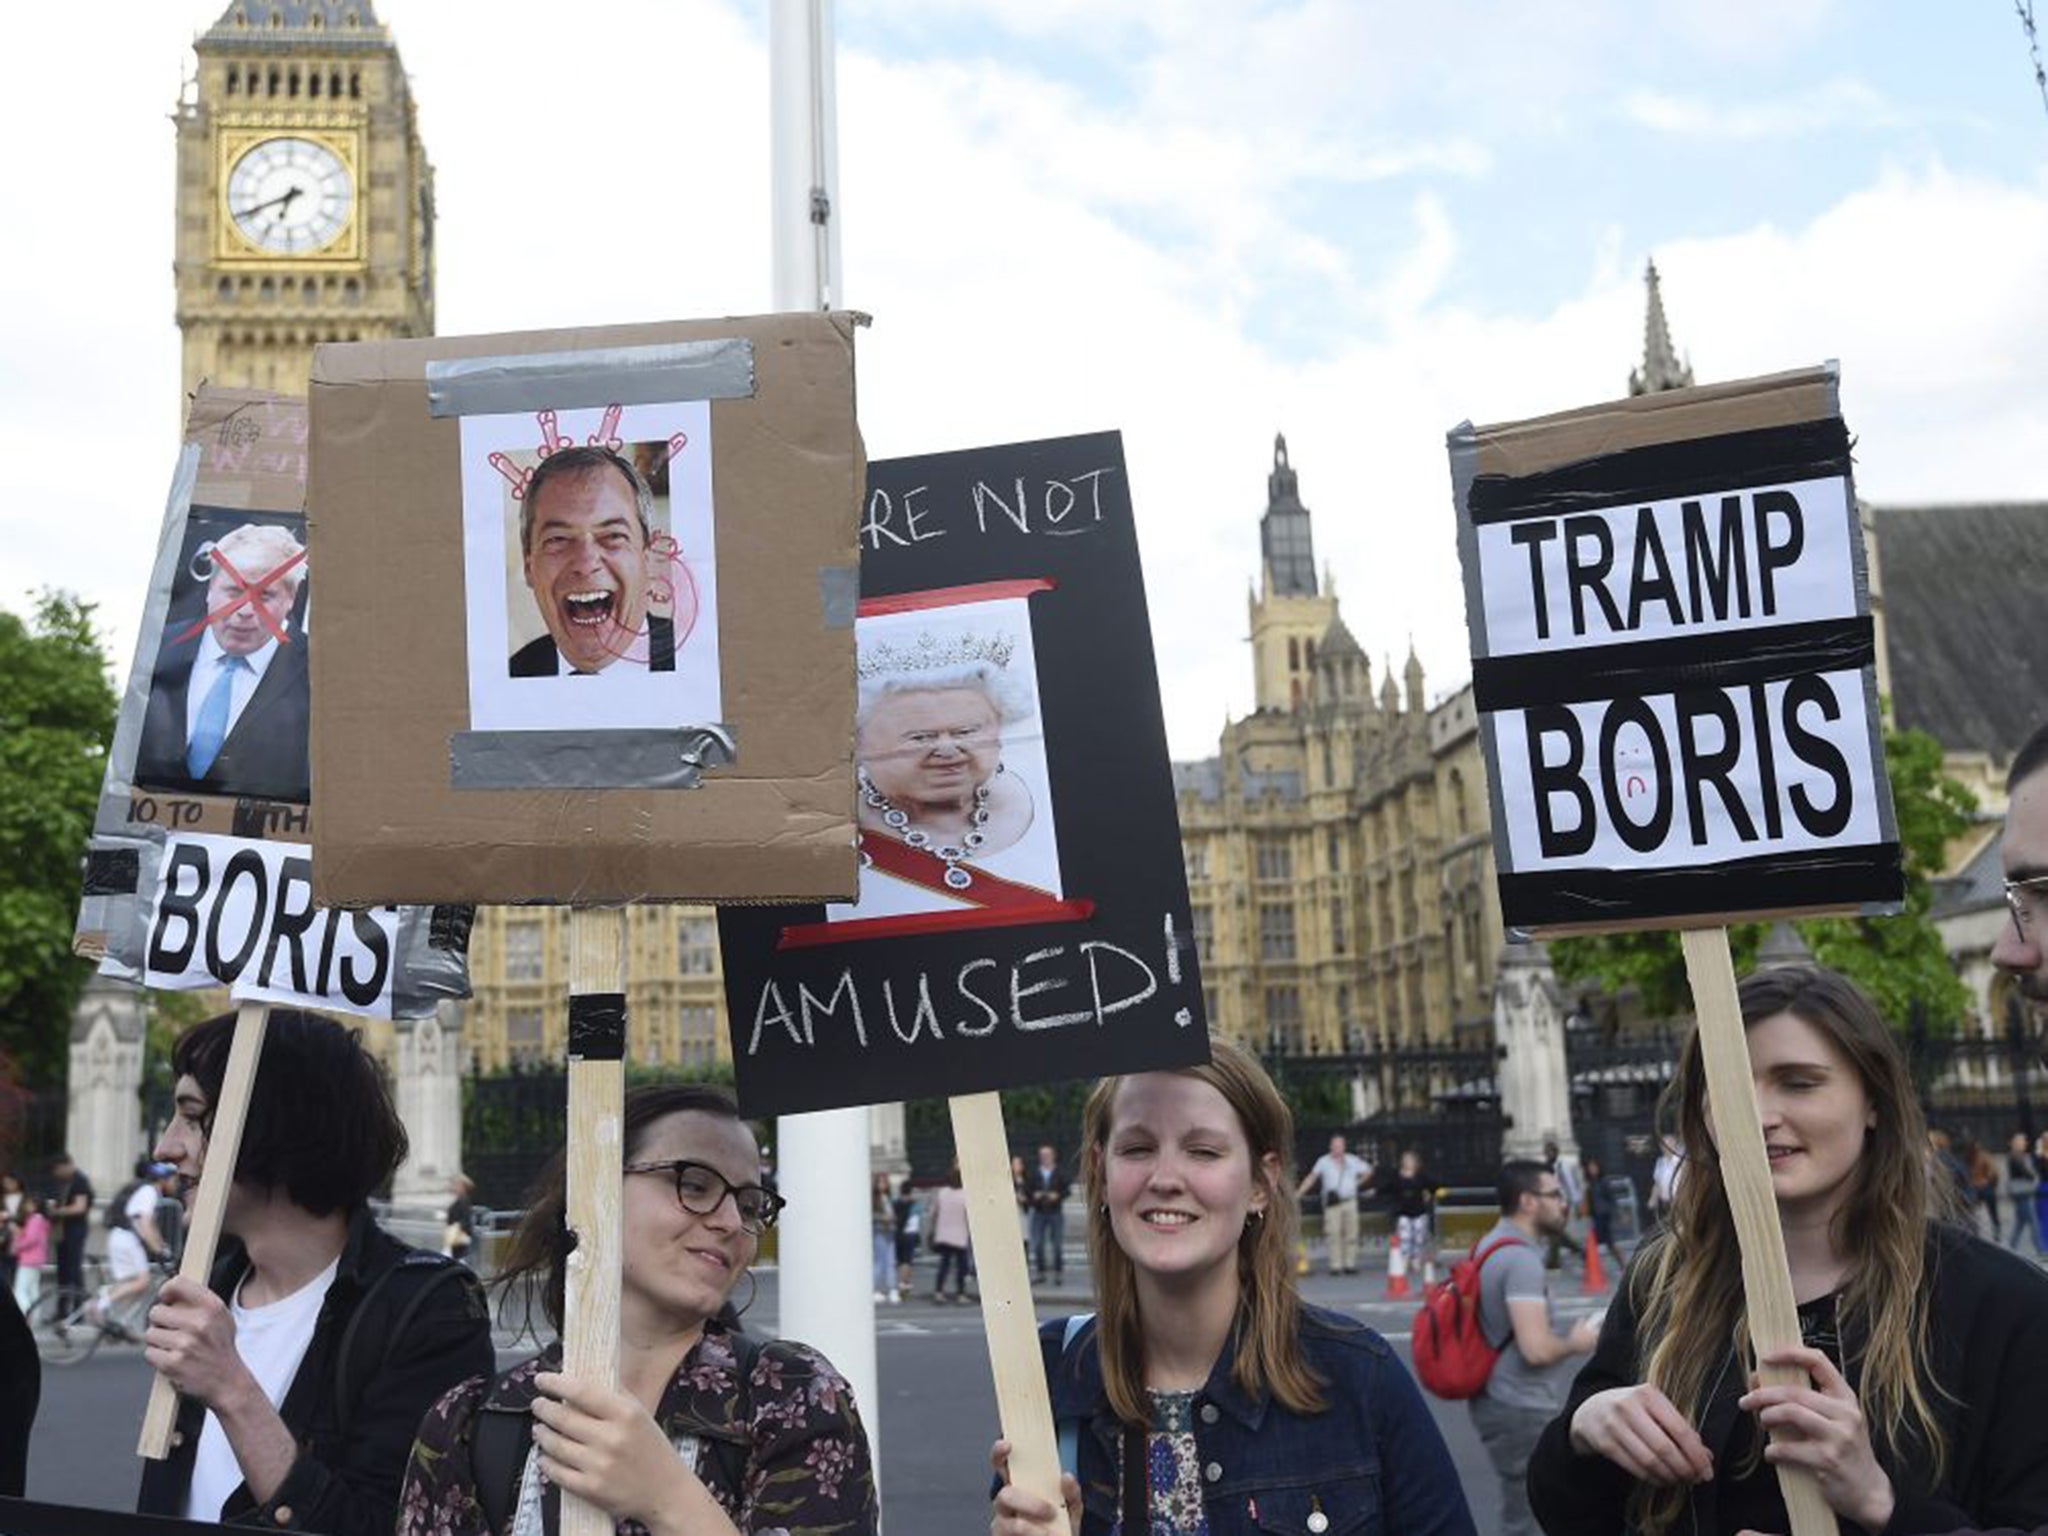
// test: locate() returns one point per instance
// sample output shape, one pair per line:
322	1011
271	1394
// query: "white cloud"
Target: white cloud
1840	103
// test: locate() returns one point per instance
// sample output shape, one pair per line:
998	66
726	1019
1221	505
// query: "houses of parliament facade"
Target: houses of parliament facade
1338	845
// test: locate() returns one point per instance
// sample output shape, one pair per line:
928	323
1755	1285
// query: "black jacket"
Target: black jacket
1987	1346
540	658
424	1330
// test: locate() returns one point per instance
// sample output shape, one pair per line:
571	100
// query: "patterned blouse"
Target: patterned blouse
1173	1469
808	1467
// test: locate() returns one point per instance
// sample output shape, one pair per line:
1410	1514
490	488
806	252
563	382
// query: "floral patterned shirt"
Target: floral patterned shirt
808	1471
1173	1466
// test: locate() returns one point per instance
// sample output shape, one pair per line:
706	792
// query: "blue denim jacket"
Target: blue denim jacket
1371	1462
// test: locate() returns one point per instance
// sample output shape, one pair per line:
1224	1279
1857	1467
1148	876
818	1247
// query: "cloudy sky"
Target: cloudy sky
1353	221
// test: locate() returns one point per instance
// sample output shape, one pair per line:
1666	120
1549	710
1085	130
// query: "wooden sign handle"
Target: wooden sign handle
1023	1402
597	1113
209	1204
1746	1172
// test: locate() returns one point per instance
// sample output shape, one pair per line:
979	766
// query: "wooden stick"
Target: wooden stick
1023	1402
1746	1172
597	1112
209	1204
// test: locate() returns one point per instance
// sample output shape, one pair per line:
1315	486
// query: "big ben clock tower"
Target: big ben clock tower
305	201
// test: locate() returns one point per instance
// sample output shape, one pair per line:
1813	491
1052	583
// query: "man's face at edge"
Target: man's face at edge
2024	851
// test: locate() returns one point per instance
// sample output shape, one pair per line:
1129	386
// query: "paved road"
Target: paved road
937	1413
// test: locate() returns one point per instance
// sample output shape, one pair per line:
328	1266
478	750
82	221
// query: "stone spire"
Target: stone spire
1412	675
1284	535
1661	368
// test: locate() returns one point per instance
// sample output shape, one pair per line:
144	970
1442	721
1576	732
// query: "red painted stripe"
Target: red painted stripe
813	935
949	597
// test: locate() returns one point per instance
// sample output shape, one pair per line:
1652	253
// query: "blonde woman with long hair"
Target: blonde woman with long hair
1924	1345
1204	1396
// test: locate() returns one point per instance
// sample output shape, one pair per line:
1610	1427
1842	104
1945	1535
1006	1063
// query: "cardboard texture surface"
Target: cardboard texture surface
1673	659
392	679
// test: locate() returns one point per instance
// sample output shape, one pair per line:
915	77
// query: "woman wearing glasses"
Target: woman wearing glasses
709	1431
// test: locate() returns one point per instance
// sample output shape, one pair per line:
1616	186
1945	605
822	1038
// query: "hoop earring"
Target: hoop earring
753	1291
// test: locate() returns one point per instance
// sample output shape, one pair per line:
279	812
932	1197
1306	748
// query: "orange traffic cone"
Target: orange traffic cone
1596	1282
1397	1267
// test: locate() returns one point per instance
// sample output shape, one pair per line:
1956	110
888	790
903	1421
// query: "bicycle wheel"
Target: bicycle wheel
62	1338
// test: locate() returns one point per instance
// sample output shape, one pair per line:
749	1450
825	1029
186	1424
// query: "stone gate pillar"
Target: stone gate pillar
429	1095
103	1119
1535	1085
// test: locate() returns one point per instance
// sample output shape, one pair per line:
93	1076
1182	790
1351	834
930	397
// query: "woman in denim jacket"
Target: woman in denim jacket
1205	1388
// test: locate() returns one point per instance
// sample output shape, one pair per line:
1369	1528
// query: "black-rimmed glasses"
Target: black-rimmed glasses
701	1189
2019	896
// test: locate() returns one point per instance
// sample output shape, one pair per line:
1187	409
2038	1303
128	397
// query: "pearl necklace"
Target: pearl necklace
952	855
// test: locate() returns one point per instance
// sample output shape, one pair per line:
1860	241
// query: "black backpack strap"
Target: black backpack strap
498	1446
351	1372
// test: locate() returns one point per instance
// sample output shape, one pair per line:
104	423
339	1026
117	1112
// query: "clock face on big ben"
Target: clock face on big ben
290	196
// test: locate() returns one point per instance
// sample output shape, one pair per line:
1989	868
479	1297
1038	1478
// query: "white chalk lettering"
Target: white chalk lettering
771	993
807	1000
1019	991
926	1017
994	1018
1094	947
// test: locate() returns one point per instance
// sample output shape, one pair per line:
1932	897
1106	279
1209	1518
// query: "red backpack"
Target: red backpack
1452	1357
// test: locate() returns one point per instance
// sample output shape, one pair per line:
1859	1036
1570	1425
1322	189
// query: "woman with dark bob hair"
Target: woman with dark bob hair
709	1431
1233	1407
1925	1346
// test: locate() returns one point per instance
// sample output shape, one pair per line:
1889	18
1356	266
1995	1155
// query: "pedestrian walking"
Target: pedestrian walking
31	1254
1534	1371
2021	1184
951	1239
1983	1175
882	1225
1340	1176
1599	1211
909	1228
1203	1394
708	1429
67	1202
1047	1190
1573	1183
458	1225
13	1202
1413	1204
1922	1345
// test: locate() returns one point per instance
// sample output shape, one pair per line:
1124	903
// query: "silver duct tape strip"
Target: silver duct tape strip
839	595
112	816
432	967
636	759
653	375
430	962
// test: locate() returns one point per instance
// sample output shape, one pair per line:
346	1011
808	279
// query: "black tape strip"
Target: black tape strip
1647	668
1809	450
597	1027
448	928
112	871
1829	877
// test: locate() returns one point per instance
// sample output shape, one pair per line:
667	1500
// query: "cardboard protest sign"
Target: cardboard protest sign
1022	913
1673	659
198	874
568	576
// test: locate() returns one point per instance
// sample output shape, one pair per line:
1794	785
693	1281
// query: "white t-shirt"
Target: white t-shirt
127	1255
271	1340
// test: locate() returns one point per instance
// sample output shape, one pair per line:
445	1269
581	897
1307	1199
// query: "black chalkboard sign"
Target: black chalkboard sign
1023	914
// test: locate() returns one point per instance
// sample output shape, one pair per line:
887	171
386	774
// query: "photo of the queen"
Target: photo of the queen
954	809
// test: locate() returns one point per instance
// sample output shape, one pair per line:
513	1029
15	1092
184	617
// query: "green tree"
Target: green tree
56	719
1898	960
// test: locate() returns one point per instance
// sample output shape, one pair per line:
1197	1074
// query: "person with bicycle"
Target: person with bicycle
306	1364
133	1245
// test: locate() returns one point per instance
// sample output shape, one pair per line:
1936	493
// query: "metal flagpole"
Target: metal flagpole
822	1158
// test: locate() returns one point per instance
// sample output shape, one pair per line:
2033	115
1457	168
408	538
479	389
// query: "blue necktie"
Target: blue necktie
212	728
